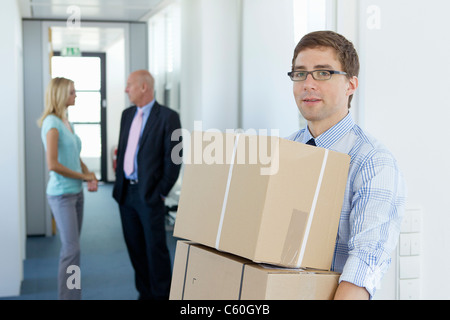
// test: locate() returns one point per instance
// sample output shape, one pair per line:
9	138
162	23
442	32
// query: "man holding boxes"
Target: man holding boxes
329	216
325	67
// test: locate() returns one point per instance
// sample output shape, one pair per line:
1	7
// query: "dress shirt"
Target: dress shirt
146	113
373	206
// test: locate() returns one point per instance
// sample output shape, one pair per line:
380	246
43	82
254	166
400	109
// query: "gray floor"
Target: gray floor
106	272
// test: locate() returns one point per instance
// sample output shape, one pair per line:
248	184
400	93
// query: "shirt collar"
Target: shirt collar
147	108
332	135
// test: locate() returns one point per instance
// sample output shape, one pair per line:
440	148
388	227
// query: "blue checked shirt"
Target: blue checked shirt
373	205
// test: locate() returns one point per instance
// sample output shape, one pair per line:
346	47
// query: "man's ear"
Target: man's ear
144	86
352	86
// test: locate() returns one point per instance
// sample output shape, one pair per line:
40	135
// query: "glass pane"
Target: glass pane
91	146
84	71
90	139
87	107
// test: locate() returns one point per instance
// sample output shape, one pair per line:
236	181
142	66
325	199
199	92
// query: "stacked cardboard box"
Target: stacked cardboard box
202	273
265	199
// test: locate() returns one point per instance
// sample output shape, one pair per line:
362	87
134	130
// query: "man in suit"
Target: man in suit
144	177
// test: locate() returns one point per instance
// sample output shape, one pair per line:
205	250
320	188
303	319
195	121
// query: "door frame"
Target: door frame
103	109
46	75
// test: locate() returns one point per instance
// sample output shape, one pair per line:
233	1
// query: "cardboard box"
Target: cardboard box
280	207
203	273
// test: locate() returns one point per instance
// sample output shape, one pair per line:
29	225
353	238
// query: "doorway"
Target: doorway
88	115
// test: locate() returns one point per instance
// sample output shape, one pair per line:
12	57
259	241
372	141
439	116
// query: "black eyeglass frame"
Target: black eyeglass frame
312	74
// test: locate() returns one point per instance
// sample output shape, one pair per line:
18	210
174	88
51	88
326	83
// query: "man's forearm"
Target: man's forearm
349	291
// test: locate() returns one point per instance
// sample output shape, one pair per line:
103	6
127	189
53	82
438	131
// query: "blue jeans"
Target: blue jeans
67	210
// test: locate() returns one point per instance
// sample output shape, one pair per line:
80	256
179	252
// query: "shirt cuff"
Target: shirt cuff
361	274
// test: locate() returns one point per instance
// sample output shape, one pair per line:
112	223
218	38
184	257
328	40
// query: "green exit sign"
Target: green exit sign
71	52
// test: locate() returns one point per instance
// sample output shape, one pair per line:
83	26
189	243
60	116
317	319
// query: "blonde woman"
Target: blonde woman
67	172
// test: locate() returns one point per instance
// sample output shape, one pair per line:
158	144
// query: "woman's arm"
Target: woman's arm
85	170
92	184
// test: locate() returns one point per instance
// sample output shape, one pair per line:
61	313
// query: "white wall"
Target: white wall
406	82
210	63
116	97
12	219
235	56
267	47
191	63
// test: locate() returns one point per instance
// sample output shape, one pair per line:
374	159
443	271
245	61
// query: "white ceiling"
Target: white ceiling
93	10
71	11
88	39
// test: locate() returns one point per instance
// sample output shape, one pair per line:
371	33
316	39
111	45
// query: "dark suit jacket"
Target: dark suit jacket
157	173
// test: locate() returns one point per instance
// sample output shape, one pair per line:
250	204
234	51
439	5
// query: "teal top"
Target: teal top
69	148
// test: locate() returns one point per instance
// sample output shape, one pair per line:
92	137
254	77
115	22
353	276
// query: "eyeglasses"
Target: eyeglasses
319	75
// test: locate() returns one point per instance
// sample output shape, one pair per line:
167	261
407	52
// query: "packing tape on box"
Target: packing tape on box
185	271
227	189
313	209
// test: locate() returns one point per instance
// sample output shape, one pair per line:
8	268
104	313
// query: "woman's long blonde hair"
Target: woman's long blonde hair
56	96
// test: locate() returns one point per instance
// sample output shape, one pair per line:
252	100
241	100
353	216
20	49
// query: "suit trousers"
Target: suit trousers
67	209
145	237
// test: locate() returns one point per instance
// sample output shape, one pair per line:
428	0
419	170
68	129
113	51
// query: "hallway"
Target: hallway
106	272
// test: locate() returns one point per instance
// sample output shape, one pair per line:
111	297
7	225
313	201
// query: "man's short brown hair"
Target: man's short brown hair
346	52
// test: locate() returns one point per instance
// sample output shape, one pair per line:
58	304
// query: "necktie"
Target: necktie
133	139
311	142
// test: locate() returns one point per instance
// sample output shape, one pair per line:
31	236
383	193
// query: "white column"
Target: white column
210	53
268	45
12	225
